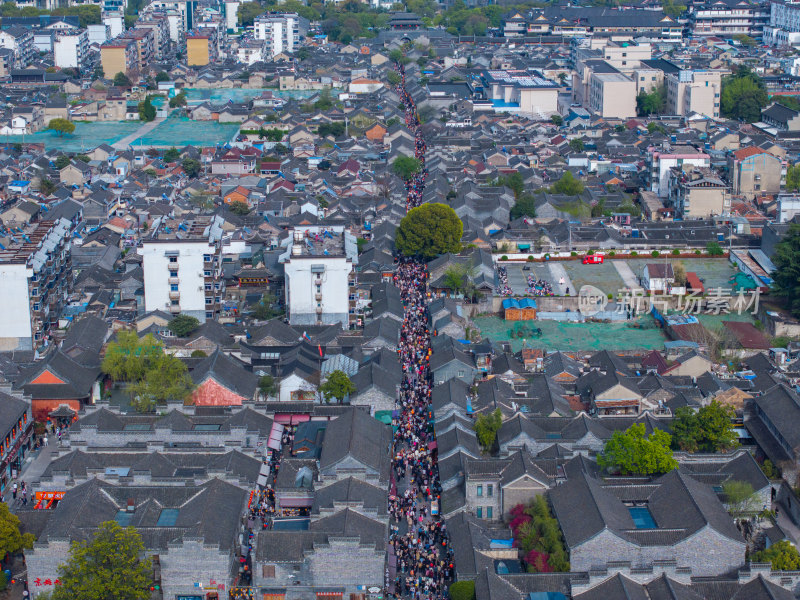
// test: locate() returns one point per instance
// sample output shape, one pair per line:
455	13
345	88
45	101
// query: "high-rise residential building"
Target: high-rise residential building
36	278
70	48
120	55
318	271
183	270
783	28
281	31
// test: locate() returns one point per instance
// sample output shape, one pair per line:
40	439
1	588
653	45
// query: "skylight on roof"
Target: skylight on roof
168	517
642	519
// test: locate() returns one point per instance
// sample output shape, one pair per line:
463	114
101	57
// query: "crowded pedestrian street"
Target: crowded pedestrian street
419	558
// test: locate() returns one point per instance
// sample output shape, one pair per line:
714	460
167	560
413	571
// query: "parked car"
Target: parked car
594	259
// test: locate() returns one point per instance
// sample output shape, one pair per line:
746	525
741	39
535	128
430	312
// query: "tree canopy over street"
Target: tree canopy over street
429	230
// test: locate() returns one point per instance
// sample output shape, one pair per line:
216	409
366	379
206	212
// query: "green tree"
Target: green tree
567	185
651	103
129	357
334	128
61	126
393	77
786	277
267	386
178	100
147	112
708	429
46	186
429	230
793	178
11	540
486	427
632	452
303	53
557	120
198	354
248	11
743	95
744	39
122	80
740	497
183	325
525	206
462	590
406	167
62	161
109	566
324	100
714	249
337	386
191	167
576	144
162	76
265	308
782	555
168	379
239	207
172	155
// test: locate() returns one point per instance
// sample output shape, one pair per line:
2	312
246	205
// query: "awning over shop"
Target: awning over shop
275	436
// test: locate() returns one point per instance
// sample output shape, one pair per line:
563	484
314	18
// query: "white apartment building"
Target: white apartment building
36	277
184	275
783	28
115	22
184	9
318	266
232	14
659	163
282	32
70	49
98	34
250	51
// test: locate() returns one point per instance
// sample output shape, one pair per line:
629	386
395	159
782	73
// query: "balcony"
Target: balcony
174	280
317	297
174	295
175	308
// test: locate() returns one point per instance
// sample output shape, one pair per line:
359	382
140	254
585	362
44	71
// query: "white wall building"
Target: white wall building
232	14
98	33
184	275
783	28
281	31
659	164
788	207
318	262
115	21
36	278
70	48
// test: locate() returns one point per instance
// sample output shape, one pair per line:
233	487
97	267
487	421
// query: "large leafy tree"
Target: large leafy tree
486	427
429	230
633	452
129	358
406	167
786	277
248	11
740	497
743	95
183	325
109	566
651	103
524	207
338	386
782	555
708	429
567	185
793	177
168	379
11	540
61	126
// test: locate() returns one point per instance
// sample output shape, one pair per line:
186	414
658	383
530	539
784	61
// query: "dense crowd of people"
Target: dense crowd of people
416	184
539	287
418	538
503	289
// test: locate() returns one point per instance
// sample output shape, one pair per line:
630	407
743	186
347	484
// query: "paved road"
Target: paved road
557	271
627	274
128	140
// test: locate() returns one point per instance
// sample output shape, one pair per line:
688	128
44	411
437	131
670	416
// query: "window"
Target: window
173	259
206	273
173	273
490	490
479	512
173	287
209	300
206	258
488	512
209	315
174	303
480	491
268	570
462	373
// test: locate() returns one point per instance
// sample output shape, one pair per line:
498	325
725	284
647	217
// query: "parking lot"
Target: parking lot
612	275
